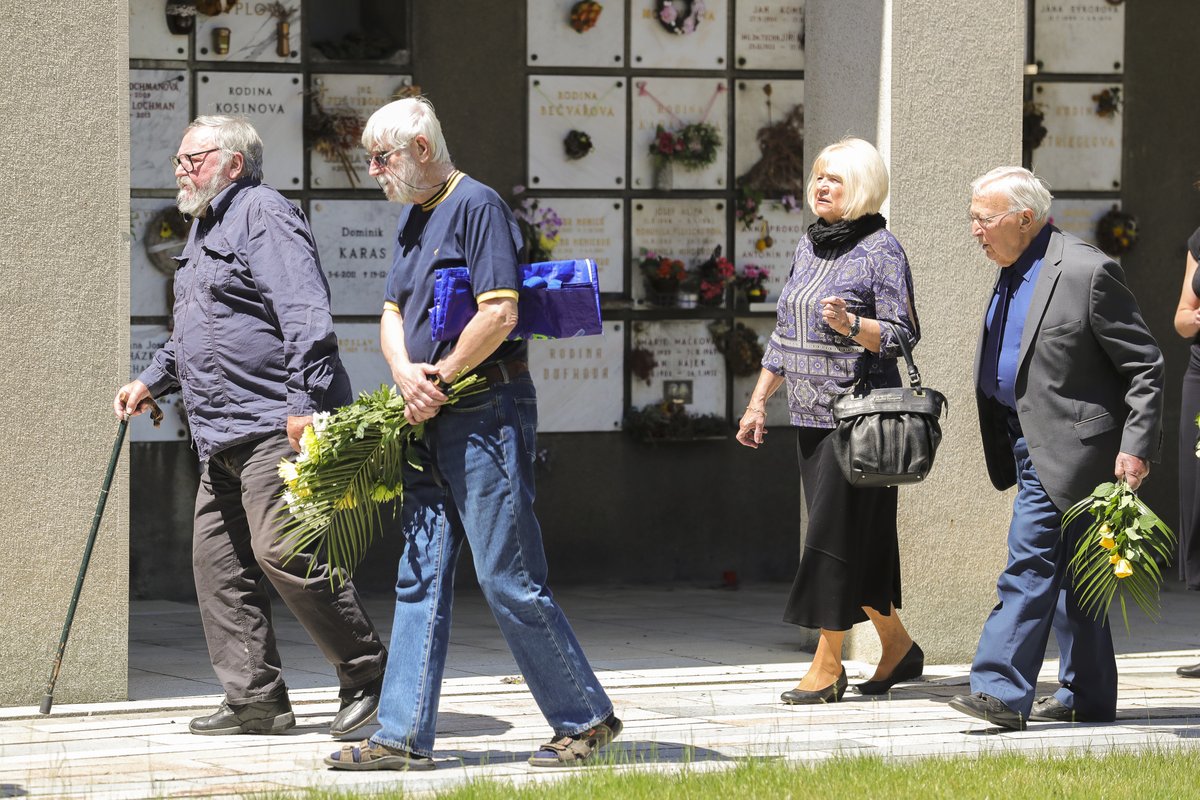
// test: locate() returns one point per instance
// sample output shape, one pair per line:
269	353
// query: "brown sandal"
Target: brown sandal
369	755
571	751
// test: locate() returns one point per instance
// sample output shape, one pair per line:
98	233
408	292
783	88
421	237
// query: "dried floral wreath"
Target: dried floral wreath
680	17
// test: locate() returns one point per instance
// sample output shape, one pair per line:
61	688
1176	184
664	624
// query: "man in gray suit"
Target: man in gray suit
1067	377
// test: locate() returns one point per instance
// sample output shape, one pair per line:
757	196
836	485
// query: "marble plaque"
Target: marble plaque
579	381
355	239
158	114
149	36
675	103
1079	217
144	342
358	345
684	229
686	356
1079	36
252	33
552	41
769	34
591	106
592	227
274	104
1082	149
348	100
771	243
696	40
150	285
743	385
759	104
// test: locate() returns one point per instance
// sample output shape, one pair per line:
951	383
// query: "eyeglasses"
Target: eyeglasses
189	159
380	160
987	222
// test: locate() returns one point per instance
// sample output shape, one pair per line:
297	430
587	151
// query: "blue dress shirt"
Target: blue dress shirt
1006	319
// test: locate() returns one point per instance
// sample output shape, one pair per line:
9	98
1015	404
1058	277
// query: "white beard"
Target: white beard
193	200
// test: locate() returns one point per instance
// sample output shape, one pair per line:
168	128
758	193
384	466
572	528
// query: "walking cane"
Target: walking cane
156	416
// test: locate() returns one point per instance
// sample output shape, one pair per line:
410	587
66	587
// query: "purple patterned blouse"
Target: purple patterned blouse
819	364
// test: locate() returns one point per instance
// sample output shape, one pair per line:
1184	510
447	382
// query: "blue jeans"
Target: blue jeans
1036	596
477	482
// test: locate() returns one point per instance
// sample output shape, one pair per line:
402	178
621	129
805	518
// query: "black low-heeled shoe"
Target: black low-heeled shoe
830	694
909	668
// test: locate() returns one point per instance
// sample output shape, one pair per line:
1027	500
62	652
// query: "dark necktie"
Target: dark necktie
990	362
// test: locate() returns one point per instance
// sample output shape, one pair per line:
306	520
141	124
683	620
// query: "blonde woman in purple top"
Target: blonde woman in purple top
848	273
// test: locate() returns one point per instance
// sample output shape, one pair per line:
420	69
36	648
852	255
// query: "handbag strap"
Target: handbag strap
914	375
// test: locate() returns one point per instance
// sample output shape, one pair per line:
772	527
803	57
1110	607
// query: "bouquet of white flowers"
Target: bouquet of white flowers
351	461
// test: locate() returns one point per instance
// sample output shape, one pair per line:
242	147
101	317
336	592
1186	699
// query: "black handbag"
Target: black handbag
888	437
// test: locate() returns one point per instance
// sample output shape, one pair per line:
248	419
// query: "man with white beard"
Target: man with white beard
255	356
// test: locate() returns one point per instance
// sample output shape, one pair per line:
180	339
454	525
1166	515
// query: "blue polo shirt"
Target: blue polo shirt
1006	317
464	224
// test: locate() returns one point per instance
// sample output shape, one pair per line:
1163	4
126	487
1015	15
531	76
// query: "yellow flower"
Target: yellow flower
289	471
345	502
1114	558
1107	542
548	243
1123	569
310	444
1105	530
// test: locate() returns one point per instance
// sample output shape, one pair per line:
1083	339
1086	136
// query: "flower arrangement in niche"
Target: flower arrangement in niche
746	206
1116	231
1119	552
336	134
584	15
693	146
1033	128
663	276
577	144
672	422
740	345
642	363
712	276
540	227
680	17
751	282
1108	102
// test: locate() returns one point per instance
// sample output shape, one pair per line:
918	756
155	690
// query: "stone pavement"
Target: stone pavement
695	675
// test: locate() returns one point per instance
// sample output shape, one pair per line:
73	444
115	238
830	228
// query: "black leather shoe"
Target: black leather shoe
830	694
1189	672
271	716
909	668
989	709
358	708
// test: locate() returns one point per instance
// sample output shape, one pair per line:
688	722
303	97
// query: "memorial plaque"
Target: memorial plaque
144	342
579	381
769	242
675	103
758	106
684	229
743	385
356	240
346	101
769	34
158	114
1079	217
678	34
151	279
576	132
149	36
1082	148
1079	35
358	345
556	38
274	104
686	362
592	227
251	31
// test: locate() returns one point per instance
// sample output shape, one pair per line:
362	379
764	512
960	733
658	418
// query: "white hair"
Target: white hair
235	135
863	174
399	122
1022	188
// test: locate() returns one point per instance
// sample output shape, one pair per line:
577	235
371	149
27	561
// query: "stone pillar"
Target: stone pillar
937	87
64	255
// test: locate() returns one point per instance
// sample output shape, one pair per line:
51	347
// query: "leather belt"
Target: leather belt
501	371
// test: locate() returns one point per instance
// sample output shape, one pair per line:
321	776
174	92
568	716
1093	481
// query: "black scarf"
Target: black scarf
831	236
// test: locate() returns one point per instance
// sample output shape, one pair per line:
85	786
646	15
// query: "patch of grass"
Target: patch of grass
1145	775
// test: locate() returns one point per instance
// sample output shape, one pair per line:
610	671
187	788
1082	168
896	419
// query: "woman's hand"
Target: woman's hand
753	427
835	315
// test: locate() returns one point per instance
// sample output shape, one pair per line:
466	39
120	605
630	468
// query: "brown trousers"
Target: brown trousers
235	554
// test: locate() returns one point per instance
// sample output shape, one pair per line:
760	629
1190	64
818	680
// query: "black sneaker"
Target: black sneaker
270	716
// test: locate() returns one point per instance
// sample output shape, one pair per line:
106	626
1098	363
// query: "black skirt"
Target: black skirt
851	554
1189	475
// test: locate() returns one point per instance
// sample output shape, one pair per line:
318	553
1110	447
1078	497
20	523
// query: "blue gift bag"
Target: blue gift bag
557	300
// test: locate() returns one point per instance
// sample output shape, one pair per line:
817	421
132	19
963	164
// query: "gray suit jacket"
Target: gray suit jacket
1089	377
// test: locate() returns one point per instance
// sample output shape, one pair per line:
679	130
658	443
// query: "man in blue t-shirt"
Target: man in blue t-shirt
476	475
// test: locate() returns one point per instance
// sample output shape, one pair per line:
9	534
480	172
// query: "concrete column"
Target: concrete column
64	255
937	87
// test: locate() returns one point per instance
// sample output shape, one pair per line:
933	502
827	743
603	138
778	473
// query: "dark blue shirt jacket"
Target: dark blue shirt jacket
253	342
464	224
